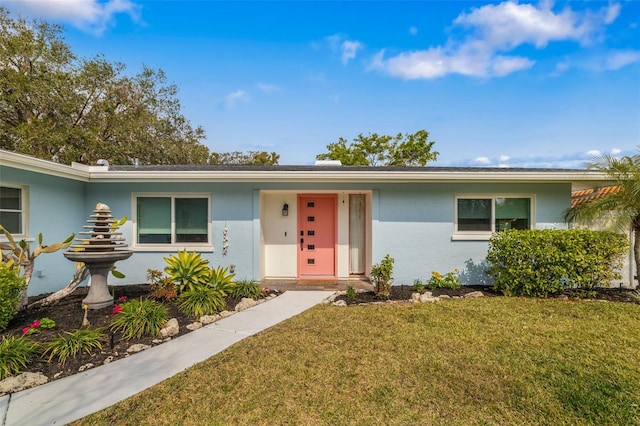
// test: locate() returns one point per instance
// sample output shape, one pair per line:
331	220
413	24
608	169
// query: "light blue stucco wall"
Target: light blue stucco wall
56	209
413	223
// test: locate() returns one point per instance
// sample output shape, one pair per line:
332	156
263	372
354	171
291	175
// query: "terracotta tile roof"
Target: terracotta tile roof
585	195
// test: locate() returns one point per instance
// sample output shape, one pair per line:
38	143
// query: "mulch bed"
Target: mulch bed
403	293
68	314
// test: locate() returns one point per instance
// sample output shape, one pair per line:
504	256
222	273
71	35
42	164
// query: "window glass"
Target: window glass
154	220
513	213
191	220
474	214
11	210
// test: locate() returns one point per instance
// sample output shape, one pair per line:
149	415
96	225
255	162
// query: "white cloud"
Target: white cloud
413	31
616	151
93	16
234	98
347	49
504	158
593	153
482	160
268	88
621	58
492	33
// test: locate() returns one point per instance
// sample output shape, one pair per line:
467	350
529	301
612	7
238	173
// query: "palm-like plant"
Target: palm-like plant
187	270
621	206
221	280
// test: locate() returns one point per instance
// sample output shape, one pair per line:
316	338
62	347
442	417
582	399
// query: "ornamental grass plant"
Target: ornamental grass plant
69	344
15	354
140	317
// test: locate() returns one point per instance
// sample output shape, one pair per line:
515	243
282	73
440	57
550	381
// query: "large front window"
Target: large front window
172	220
12	210
481	216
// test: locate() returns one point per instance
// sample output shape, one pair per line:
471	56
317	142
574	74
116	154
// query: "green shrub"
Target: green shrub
140	317
15	354
248	288
220	279
350	292
540	262
449	280
11	284
201	301
70	344
187	270
382	277
418	285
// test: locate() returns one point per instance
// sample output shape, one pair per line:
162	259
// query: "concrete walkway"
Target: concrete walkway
71	398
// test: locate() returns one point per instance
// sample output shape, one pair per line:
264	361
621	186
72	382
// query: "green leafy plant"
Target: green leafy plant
418	285
350	292
382	277
161	286
70	344
248	288
448	280
539	262
221	280
15	354
187	270
140	317
37	325
11	284
201	301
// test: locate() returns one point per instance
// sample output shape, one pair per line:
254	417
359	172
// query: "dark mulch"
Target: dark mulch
68	315
403	293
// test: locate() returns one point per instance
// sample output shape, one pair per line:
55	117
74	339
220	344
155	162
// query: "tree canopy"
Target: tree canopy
621	206
56	106
410	150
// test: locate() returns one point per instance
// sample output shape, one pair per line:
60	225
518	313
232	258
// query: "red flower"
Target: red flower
25	330
117	309
122	299
35	324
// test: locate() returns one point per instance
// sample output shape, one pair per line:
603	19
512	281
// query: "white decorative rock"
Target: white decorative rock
21	382
194	326
473	295
339	303
208	319
171	329
245	303
137	348
225	314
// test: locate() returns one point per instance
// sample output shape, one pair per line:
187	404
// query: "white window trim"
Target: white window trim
24	201
201	247
486	235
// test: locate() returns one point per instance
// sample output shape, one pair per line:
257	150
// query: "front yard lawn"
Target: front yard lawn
485	361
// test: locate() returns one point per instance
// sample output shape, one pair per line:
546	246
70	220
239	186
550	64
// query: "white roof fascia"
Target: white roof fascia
340	176
26	162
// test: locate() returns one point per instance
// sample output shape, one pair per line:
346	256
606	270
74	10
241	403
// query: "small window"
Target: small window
172	220
13	210
481	216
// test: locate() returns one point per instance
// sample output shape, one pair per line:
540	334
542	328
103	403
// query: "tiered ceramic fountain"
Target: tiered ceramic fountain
99	248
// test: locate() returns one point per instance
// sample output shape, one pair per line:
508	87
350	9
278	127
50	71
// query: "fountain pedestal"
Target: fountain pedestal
99	265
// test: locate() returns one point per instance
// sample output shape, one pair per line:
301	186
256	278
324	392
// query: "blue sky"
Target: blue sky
516	84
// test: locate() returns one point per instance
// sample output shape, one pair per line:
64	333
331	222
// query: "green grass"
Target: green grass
491	361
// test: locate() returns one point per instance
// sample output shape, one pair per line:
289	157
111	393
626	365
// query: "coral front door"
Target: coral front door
317	236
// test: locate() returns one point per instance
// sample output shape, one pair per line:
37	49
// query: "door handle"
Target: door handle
301	243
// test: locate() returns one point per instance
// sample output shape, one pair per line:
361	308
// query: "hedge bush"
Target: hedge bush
11	284
540	262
